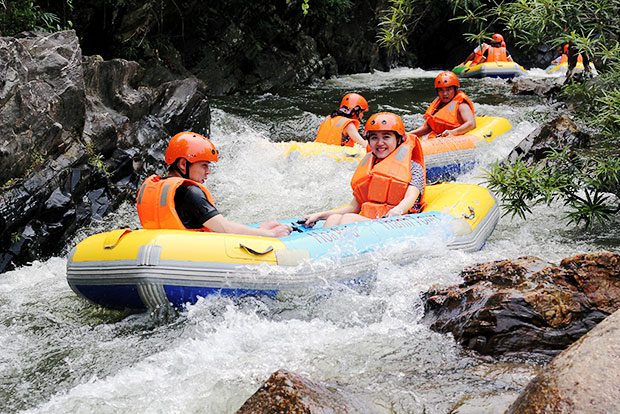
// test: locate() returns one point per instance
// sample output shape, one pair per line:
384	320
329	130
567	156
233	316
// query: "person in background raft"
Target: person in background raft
389	181
451	113
496	52
475	57
181	201
341	127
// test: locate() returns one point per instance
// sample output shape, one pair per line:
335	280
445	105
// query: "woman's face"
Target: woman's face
382	143
446	94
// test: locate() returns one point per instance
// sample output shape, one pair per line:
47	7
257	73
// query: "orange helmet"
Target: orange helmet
191	146
497	38
353	100
445	79
385	121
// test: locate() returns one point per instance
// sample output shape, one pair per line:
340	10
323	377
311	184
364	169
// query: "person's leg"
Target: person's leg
332	220
352	218
572	62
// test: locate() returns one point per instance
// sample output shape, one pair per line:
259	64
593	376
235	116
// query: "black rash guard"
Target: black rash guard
193	207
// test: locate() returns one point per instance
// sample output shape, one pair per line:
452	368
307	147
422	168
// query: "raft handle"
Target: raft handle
256	252
488	135
471	215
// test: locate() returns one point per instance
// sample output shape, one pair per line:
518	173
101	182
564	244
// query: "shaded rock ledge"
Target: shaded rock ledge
77	137
556	134
527	305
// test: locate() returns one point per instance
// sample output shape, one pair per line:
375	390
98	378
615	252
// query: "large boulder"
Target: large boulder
555	134
527	305
585	378
537	86
42	100
288	392
83	145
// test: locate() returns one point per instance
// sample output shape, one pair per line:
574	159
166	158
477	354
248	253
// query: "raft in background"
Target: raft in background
490	70
445	157
562	68
147	269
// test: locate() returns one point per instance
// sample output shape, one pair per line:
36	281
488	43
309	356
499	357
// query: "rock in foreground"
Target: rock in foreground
287	392
527	305
583	379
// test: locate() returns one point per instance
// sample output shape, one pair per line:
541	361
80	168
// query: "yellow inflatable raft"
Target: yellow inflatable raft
445	157
139	269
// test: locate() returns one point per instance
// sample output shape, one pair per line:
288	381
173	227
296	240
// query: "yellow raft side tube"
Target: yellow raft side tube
488	128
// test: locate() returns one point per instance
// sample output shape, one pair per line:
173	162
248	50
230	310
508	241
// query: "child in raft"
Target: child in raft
341	127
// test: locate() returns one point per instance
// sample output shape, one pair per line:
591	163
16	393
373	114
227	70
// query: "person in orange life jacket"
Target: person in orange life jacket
389	181
475	57
451	113
181	201
496	52
341	127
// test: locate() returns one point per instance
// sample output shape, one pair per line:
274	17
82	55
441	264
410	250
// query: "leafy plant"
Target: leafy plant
583	185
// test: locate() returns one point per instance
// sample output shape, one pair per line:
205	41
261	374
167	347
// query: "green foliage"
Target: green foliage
305	6
400	19
20	15
583	185
97	161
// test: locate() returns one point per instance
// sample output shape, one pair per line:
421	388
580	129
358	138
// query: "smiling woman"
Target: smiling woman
387	182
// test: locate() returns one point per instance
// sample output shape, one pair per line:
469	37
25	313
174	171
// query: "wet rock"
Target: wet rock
287	392
527	305
79	135
537	86
41	100
582	379
556	134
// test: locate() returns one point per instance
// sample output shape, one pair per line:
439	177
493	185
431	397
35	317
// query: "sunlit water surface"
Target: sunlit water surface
61	354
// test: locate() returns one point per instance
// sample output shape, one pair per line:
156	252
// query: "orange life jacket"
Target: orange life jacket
479	53
155	202
332	131
380	186
497	54
447	117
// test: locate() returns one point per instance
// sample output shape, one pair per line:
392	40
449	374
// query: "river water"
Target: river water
62	354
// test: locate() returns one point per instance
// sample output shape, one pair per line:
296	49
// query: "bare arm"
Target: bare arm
411	196
423	130
221	224
352	207
355	135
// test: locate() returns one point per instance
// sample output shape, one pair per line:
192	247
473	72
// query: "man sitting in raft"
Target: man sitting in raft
496	52
341	127
389	181
451	113
476	56
181	201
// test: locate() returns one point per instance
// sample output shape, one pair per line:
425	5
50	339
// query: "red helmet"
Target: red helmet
445	79
352	100
191	146
497	38
385	121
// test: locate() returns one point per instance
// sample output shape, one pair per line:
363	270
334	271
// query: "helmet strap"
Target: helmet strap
178	168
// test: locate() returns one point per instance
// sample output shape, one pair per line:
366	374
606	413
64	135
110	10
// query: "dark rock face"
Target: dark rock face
42	90
540	87
94	130
237	46
287	392
582	379
556	134
527	305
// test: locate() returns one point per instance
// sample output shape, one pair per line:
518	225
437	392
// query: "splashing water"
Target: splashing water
61	354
